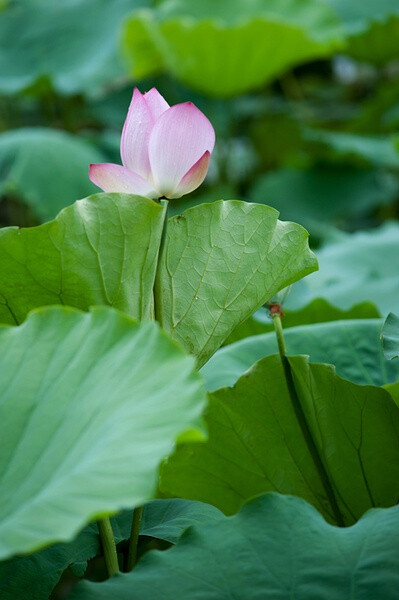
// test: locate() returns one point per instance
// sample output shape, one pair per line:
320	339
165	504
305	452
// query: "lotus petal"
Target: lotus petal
115	178
135	135
156	103
179	138
194	177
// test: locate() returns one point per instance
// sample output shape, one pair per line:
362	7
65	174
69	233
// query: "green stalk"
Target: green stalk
135	530
134	538
108	545
276	314
157	309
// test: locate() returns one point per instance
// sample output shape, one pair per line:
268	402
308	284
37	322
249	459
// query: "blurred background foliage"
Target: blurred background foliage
303	95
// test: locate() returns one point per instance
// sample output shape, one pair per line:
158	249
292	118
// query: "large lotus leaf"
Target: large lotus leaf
227	47
325	195
358	14
165	519
378	44
353	347
371	28
390	336
374	150
379	112
317	311
34	576
168	519
364	266
393	389
220	262
45	168
73	44
101	250
276	547
90	403
337	446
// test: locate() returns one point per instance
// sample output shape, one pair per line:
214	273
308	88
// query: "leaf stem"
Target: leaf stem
108	545
276	313
134	538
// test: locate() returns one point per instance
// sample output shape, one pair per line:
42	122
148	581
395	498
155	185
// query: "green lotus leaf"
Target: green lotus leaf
62	45
276	547
348	192
219	263
165	519
228	47
374	150
90	404
100	250
45	168
317	311
371	29
33	577
353	347
363	266
390	336
337	446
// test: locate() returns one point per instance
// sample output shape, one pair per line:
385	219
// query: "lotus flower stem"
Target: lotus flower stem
158	292
109	547
134	538
138	511
276	312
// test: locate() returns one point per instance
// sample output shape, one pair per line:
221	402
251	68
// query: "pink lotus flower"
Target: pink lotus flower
165	150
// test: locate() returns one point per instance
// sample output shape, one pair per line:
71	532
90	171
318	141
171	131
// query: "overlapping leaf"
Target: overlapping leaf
390	336
376	150
337	447
317	311
362	267
101	250
371	29
165	519
353	347
276	547
325	195
90	404
61	44
45	168
207	44
220	262
33	577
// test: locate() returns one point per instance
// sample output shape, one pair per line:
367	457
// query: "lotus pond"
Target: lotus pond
199	299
